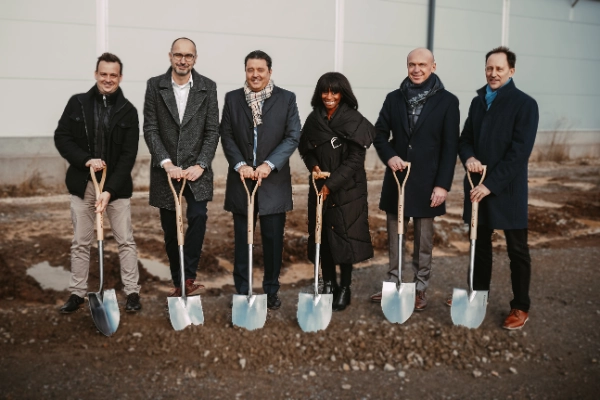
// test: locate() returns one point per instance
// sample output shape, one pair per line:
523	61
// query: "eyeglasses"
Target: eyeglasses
179	56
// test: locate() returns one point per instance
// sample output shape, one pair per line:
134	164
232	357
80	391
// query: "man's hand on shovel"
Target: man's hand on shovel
102	202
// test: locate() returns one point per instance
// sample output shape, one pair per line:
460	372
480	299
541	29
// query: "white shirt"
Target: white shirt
181	93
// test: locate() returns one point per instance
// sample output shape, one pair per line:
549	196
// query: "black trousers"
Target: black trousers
328	266
271	230
520	264
196	215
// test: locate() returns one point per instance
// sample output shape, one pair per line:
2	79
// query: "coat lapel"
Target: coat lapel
429	106
270	101
244	106
166	91
195	98
403	113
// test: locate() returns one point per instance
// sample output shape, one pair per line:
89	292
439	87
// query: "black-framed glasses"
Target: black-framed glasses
187	57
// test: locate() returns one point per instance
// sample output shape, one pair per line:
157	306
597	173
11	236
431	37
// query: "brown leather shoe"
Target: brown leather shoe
516	319
376	298
420	300
191	288
176	292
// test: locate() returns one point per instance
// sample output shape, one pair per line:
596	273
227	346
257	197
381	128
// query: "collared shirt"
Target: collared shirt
241	163
181	93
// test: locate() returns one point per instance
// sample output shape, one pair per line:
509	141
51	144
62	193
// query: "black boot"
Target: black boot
329	287
72	304
342	298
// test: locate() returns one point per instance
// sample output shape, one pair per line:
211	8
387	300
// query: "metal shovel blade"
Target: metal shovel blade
185	312
99	314
468	310
398	304
111	306
314	311
249	312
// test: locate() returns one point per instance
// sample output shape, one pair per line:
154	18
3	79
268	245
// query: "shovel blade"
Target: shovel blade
194	310
314	312
468	310
249	312
112	308
178	313
398	304
99	314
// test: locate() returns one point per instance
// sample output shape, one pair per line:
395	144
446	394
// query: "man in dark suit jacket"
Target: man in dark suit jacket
423	119
181	128
260	129
500	132
100	129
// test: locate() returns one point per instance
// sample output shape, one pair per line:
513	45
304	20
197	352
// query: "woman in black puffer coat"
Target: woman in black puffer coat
334	139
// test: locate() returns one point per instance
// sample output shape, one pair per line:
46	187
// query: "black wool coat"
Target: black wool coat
278	138
345	212
72	139
431	149
191	142
501	138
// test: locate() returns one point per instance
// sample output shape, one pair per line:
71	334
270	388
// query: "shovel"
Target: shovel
314	310
468	306
398	303
103	303
183	311
249	311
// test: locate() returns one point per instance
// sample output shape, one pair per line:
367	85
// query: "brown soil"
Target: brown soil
44	354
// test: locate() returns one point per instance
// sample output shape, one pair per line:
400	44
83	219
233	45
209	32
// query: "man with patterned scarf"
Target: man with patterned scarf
260	129
423	119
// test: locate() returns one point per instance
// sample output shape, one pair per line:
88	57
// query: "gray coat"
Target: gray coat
192	142
278	137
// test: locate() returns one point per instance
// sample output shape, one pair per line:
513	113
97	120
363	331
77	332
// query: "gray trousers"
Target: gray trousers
83	215
423	247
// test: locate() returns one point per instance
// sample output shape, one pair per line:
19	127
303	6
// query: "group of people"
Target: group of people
260	129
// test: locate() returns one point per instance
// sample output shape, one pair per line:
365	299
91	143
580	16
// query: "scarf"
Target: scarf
490	94
416	94
255	99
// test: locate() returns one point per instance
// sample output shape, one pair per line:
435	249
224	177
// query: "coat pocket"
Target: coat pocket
77	125
119	131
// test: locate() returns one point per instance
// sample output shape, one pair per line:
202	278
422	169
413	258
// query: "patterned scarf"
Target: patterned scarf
417	94
255	99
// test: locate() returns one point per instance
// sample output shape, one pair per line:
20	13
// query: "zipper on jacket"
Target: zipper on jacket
104	100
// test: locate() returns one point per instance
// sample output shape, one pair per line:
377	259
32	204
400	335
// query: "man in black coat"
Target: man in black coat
499	133
423	119
181	128
260	129
100	129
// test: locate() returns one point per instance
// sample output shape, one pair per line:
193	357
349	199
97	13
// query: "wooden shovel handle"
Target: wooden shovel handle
401	198
178	209
98	188
475	205
250	218
319	220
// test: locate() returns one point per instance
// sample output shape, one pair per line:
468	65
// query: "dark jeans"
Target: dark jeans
328	266
196	215
520	264
271	230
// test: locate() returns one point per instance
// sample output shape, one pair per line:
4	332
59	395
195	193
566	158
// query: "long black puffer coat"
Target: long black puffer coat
339	146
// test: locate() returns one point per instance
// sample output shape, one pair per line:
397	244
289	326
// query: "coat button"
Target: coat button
410	147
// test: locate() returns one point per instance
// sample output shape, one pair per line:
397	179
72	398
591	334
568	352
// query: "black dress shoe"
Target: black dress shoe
342	298
273	302
133	303
72	304
329	287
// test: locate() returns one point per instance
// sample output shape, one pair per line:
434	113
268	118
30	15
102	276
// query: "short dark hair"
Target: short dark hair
337	83
183	38
110	57
510	56
258	55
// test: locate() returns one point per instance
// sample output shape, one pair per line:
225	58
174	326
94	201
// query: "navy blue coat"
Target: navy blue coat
501	138
278	138
431	149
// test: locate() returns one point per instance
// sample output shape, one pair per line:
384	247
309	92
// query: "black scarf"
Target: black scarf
417	94
347	124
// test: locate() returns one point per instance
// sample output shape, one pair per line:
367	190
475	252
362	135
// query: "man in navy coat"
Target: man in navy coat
499	133
423	119
260	130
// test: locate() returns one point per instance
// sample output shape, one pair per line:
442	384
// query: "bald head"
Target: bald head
183	40
421	65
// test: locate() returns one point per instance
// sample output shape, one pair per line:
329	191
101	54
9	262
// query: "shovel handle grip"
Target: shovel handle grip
250	211
475	206
401	198
178	210
319	220
98	189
